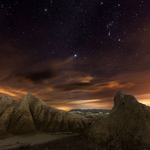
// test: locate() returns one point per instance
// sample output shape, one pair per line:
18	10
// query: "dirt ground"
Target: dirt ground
44	141
67	143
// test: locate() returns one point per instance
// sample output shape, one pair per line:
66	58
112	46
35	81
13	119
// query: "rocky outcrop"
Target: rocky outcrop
5	113
32	114
127	127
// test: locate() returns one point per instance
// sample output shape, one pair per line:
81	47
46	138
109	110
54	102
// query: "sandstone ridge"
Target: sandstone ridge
32	114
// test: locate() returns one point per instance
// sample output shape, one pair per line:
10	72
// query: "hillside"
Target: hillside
126	127
32	114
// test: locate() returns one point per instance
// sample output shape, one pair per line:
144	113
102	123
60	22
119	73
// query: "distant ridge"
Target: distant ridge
91	110
31	114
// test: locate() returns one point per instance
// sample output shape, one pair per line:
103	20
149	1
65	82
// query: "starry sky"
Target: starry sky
75	53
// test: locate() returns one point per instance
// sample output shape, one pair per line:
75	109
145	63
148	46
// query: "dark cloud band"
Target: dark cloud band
37	77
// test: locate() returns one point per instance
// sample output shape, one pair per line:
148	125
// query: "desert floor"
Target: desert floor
43	141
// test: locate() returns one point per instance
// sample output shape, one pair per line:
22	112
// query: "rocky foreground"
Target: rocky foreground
126	128
31	114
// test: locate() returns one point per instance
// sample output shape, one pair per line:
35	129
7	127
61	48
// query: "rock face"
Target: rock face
5	113
32	114
127	127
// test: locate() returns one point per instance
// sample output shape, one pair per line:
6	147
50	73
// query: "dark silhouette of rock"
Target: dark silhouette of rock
32	114
90	110
127	127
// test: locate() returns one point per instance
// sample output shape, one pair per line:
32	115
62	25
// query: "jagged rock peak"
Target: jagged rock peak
124	101
29	94
118	96
2	97
30	98
32	114
5	100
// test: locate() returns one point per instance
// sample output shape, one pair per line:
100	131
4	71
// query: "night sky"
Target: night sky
75	53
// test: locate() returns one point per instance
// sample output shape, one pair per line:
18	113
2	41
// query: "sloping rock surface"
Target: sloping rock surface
126	128
32	114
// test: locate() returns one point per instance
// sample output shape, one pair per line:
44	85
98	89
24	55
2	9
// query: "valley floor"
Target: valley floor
43	141
67	143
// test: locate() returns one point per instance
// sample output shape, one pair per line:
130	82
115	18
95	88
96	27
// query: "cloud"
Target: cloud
50	70
86	103
37	77
85	79
13	92
93	88
73	86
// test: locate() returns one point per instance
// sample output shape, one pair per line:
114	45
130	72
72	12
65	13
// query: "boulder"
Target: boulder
126	127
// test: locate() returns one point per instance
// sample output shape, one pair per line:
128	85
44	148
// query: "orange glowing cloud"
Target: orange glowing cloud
13	93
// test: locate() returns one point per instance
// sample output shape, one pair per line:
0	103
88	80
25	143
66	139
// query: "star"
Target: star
109	33
45	9
75	55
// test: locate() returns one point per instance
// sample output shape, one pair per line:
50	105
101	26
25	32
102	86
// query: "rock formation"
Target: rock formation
127	127
32	114
5	113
